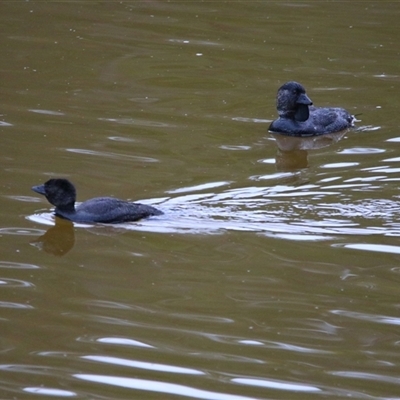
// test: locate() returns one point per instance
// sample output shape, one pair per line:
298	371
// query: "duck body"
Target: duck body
298	116
62	194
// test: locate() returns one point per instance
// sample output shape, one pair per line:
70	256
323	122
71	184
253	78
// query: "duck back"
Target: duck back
109	210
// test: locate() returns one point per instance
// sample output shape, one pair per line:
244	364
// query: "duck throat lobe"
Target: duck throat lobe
302	113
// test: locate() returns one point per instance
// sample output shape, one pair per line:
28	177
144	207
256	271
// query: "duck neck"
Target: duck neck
65	209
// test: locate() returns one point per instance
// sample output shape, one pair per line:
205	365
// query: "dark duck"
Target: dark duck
62	194
298	116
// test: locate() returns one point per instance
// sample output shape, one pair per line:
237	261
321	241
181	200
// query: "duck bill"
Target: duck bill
39	189
304	99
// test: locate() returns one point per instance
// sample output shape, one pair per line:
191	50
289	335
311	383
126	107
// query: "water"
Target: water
274	271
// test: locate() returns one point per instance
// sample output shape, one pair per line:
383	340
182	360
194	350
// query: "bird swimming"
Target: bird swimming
61	193
298	116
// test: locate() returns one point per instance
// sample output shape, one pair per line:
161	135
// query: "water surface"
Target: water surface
274	271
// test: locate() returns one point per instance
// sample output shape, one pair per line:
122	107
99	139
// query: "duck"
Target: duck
61	193
298	116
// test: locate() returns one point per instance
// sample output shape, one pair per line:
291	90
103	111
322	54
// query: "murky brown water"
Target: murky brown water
271	275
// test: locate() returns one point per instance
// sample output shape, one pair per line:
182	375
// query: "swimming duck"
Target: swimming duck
61	193
298	117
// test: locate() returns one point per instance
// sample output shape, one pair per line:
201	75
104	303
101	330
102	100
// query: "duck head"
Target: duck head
59	192
292	102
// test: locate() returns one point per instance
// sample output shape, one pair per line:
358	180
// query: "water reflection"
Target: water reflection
292	160
282	211
265	383
159	387
50	392
138	107
292	151
151	366
4	123
58	240
380	248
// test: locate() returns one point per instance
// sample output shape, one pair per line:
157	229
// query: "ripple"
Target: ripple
366	179
366	376
308	238
379	248
49	391
121	139
340	165
108	304
368	128
124	342
192	41
251	342
368	208
159	387
203	318
9	304
15	265
21	231
385	76
234	148
27	199
4	123
297	349
346	186
14	283
267	161
150	366
119	341
264	383
266	343
362	150
373	169
145	100
249	211
46	112
390	170
210	185
395	159
48	219
281	211
330	179
131	121
380	319
117	156
252	120
275	175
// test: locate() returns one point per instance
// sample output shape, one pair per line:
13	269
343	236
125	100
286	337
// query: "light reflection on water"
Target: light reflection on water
265	210
380	319
320	211
201	302
143	365
112	155
50	392
160	387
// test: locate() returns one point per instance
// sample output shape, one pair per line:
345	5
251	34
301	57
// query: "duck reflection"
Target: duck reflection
292	151
58	240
